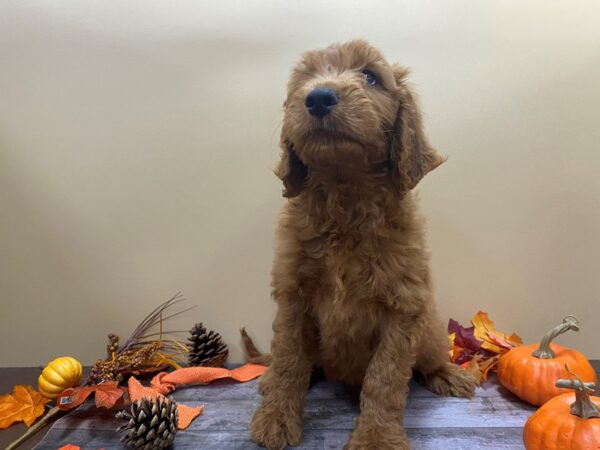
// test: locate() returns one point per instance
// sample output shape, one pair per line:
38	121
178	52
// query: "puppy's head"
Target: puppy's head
347	108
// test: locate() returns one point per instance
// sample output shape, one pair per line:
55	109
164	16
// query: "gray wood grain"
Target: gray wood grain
339	415
493	419
433	438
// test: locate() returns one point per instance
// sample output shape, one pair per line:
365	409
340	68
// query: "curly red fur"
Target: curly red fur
351	272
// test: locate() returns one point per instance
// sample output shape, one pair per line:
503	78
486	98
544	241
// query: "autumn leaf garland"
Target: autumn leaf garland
107	395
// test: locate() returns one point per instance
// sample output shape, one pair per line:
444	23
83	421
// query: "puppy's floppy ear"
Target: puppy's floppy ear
291	170
411	155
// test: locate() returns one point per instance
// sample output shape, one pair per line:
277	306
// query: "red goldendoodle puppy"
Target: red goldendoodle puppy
351	274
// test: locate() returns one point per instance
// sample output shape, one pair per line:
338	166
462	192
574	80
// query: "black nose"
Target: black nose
321	101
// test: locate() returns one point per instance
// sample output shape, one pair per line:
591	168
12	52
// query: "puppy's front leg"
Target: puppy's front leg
277	422
385	387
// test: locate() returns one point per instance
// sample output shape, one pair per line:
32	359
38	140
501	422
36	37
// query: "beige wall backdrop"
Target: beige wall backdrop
137	139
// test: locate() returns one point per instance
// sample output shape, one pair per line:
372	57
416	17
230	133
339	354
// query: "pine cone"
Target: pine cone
206	348
152	423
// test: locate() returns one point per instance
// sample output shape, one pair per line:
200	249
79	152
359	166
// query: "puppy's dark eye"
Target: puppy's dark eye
370	77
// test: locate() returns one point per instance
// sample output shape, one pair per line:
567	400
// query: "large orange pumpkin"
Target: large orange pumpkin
566	422
531	371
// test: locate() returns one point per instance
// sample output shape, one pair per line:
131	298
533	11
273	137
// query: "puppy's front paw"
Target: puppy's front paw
373	437
275	428
451	380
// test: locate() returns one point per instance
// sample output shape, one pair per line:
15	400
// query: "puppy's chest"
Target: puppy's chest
337	271
345	320
348	334
344	280
344	293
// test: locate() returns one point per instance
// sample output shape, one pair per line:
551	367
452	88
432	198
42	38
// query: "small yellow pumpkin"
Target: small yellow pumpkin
60	374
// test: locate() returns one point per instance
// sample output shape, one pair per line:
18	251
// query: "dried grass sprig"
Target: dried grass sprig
146	350
156	317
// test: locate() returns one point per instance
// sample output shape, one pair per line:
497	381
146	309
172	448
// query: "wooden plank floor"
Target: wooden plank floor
493	419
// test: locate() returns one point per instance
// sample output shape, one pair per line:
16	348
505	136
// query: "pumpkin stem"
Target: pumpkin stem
34	428
544	351
582	406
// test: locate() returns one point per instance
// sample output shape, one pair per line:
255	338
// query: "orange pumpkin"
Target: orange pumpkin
567	422
531	371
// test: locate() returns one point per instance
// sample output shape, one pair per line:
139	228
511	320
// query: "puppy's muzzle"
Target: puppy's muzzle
321	101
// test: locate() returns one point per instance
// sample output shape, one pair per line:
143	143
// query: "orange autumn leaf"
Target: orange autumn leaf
24	405
451	338
486	366
456	353
482	325
73	447
492	339
507	342
480	367
472	367
107	395
452	350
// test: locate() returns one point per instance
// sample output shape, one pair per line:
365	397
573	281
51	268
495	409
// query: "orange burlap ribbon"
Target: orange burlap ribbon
166	382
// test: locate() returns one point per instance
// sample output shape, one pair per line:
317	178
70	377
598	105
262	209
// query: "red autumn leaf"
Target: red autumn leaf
107	395
462	356
464	337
